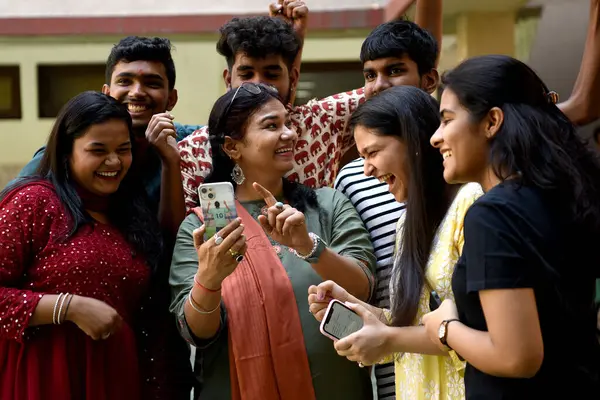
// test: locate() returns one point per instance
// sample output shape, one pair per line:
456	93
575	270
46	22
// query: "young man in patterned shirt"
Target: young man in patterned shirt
263	49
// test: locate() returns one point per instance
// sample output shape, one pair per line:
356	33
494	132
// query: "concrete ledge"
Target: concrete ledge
178	24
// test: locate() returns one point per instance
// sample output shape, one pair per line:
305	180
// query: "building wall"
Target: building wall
87	8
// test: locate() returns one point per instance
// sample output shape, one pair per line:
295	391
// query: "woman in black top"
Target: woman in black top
524	318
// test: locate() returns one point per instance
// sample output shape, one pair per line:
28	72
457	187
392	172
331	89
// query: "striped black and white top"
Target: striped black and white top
379	211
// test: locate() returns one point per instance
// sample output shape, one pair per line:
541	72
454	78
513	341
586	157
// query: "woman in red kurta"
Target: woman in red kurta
78	230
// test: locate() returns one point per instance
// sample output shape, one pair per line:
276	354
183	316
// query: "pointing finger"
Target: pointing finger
268	196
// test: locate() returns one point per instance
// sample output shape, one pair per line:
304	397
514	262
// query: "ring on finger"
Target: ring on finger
279	205
218	239
237	256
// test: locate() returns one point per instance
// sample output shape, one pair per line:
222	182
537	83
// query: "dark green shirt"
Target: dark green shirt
334	377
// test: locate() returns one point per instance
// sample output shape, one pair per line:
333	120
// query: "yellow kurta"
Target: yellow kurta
424	377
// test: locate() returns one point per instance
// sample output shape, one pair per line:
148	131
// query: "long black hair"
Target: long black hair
536	142
412	116
128	210
229	117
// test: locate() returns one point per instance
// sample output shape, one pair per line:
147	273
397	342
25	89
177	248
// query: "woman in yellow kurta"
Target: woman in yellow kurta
422	376
392	132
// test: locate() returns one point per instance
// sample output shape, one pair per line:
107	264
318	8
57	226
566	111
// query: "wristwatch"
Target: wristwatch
443	332
318	247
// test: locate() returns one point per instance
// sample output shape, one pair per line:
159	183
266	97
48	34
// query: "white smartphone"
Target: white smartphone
218	206
340	321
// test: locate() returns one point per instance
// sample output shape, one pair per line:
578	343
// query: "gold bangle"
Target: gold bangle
198	309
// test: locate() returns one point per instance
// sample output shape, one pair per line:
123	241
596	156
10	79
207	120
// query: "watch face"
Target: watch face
442	331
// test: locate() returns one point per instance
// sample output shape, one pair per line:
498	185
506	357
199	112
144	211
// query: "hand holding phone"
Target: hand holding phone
320	296
340	321
358	334
215	262
434	301
215	258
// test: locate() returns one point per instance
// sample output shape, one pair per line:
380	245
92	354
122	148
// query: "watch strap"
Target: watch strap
444	339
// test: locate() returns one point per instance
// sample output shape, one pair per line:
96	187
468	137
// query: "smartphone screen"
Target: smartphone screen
341	321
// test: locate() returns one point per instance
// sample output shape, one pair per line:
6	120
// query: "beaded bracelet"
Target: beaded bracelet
200	311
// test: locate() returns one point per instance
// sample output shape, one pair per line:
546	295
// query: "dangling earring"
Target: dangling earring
237	174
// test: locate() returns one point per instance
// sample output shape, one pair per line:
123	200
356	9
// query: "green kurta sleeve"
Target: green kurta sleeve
349	237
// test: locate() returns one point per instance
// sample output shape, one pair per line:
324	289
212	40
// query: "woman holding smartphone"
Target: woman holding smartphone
239	295
392	132
524	318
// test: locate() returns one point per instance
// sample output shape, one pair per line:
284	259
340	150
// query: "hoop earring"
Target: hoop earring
238	175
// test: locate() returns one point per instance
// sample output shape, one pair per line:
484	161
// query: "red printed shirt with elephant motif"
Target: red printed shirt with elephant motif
323	137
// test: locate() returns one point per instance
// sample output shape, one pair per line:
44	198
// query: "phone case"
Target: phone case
218	206
434	301
328	316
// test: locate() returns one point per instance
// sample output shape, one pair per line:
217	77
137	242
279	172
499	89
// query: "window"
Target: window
57	84
10	92
318	80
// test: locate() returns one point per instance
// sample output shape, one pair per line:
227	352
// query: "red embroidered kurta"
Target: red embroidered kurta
61	361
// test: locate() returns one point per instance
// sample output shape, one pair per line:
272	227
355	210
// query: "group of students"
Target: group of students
486	201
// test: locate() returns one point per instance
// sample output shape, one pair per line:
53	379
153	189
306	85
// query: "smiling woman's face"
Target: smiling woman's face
268	143
462	142
386	158
101	157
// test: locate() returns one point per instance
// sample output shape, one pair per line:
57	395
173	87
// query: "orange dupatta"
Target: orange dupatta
267	355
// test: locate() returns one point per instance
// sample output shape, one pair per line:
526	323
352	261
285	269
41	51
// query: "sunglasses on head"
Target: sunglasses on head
251	88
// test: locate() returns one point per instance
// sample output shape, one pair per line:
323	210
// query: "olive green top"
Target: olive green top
334	377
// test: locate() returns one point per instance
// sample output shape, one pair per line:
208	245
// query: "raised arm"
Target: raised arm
428	15
162	135
582	106
296	13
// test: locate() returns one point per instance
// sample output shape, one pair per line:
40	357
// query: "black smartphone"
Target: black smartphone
434	301
340	321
